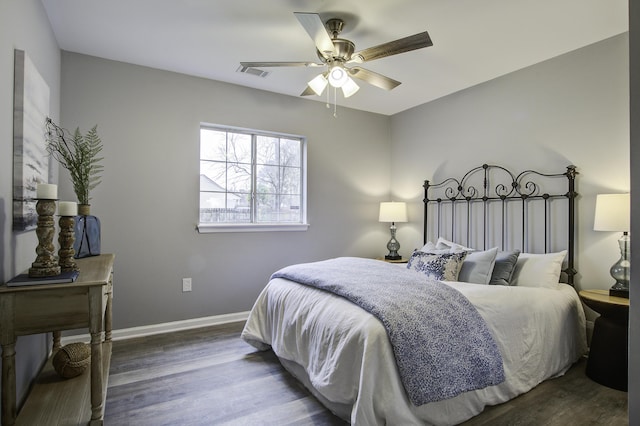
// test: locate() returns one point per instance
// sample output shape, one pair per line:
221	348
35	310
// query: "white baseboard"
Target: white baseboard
167	327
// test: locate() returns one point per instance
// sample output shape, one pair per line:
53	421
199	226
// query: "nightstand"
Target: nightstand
401	260
608	354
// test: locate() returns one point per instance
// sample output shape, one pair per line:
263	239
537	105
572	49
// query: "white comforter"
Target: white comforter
343	354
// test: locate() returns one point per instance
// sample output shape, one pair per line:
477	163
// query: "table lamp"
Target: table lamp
613	214
393	212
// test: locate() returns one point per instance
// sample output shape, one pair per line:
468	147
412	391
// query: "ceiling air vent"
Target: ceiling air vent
253	71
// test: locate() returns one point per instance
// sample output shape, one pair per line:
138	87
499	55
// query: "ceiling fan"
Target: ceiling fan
336	53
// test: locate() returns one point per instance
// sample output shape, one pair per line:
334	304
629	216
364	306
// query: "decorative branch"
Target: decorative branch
79	155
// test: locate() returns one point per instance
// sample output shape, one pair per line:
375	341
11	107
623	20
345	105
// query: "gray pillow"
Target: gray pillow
504	267
478	266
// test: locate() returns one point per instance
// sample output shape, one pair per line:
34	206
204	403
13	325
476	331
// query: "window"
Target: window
251	180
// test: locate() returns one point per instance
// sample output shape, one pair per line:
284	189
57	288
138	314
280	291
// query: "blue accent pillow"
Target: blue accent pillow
445	266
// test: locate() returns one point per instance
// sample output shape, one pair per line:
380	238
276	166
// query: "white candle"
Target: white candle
47	191
67	208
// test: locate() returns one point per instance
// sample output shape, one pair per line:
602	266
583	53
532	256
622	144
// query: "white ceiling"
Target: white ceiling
474	40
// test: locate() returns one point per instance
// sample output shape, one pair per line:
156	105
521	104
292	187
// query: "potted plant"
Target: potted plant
78	154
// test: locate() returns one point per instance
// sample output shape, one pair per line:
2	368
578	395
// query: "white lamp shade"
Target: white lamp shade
612	212
393	212
318	84
349	88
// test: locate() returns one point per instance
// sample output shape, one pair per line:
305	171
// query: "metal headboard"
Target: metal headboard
492	206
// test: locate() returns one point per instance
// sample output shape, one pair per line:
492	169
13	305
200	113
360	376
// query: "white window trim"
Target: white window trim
207	228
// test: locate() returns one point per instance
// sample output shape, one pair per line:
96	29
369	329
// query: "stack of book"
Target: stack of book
25	279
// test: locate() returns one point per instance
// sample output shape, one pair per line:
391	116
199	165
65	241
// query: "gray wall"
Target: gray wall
572	109
148	200
23	25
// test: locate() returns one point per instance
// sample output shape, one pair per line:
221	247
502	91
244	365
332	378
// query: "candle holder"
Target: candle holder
46	263
66	237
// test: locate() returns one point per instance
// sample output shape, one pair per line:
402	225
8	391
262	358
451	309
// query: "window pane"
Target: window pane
290	180
213	200
266	210
290	208
211	206
278	180
239	177
275	208
290	152
239	148
213	176
268	181
267	150
238	208
213	145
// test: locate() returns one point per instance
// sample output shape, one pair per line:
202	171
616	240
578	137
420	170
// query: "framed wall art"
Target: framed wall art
30	156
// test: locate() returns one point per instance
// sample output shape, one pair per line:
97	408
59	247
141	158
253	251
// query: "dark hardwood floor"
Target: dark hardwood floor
209	376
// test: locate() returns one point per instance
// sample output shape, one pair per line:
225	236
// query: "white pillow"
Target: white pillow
443	243
538	270
428	247
431	248
478	266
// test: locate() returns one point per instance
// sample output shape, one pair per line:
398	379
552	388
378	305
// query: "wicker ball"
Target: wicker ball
72	359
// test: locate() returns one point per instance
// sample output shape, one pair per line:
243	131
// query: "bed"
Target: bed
381	343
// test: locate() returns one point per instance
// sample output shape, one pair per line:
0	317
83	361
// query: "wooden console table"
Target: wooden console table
36	309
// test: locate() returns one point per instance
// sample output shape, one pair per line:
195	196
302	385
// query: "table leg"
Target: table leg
8	341
108	316
9	383
56	341
95	328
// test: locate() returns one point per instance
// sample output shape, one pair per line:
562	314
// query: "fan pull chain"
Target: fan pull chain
335	102
328	106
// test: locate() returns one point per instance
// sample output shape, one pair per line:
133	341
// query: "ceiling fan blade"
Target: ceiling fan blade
316	30
374	78
280	64
402	45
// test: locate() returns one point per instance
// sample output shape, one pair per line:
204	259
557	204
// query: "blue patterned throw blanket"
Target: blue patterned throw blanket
442	345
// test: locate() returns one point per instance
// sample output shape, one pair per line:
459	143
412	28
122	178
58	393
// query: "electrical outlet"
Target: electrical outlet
186	284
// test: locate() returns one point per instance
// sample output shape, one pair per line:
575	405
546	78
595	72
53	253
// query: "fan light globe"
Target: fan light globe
338	76
318	84
350	87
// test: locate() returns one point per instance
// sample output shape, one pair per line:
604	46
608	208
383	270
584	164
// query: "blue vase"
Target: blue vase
87	235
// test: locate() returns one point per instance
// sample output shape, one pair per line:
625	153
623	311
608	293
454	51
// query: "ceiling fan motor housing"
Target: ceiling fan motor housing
343	49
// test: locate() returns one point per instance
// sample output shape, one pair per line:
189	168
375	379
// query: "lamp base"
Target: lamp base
619	293
620	271
393	245
619	290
